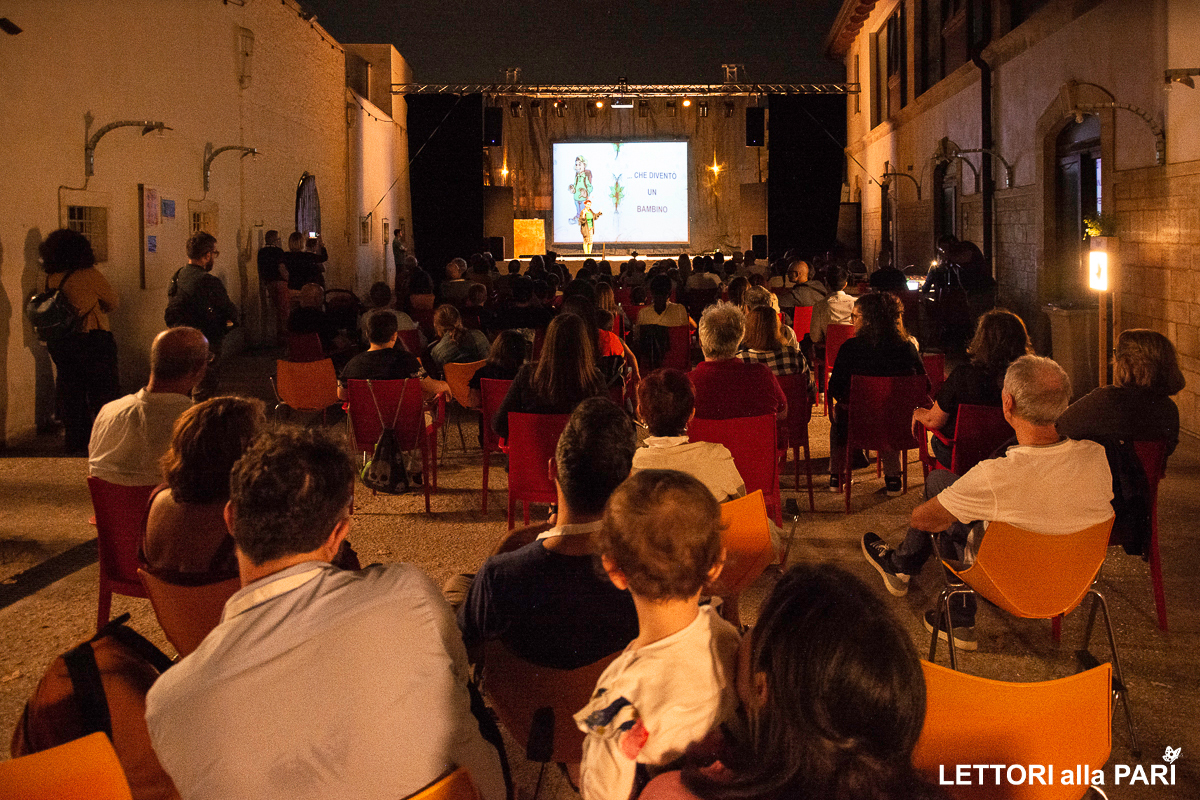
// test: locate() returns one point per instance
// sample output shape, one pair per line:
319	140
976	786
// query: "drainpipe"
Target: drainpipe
985	130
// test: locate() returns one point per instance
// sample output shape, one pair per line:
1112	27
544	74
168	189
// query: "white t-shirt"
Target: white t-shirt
651	703
131	434
708	462
1052	489
673	315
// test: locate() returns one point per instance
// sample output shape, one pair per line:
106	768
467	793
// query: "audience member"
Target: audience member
834	697
726	386
454	288
474	315
547	601
380	298
523	313
310	317
132	433
606	300
737	290
808	290
1045	483
666	403
309	657
834	309
888	277
503	362
383	361
198	299
456	344
660	539
759	297
764	343
304	265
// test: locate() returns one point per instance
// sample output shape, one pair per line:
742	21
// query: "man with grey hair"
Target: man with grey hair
1045	483
454	288
727	387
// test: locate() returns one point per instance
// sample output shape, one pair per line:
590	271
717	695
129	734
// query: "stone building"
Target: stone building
331	142
1010	122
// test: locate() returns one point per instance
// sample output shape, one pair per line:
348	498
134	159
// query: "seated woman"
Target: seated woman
880	347
666	403
504	360
816	732
456	344
1138	406
564	374
727	387
764	343
606	300
1000	339
614	359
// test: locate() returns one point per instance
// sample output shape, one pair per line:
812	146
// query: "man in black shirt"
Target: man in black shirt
383	361
273	276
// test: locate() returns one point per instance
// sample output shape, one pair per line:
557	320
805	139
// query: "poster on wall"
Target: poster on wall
638	191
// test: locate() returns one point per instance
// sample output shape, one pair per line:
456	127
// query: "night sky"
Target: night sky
652	41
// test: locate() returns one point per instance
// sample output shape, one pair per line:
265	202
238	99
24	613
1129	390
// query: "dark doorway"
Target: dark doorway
308	205
1078	194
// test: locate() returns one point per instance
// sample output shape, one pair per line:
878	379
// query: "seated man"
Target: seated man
132	433
835	309
383	361
1046	483
547	601
318	682
807	289
727	387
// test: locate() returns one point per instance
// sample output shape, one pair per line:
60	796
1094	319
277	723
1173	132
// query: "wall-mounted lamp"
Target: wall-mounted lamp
687	102
89	149
535	106
515	109
643	108
703	108
672	108
728	109
1183	76
560	108
210	154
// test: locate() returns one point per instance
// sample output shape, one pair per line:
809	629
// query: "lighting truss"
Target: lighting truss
555	91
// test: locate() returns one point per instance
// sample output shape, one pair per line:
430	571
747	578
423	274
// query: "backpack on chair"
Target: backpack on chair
386	471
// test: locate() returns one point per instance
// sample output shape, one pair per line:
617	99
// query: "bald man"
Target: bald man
131	434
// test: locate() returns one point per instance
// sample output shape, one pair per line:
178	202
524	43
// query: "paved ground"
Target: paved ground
48	579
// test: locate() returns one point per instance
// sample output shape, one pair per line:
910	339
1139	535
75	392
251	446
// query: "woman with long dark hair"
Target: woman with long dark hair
564	374
1000	339
86	358
834	697
503	363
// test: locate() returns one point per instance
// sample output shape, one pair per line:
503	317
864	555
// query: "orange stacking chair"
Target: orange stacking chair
307	386
748	550
455	786
83	769
187	613
120	519
458	376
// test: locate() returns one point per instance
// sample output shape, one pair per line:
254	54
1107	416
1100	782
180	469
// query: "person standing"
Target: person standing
399	251
273	277
198	298
86	358
587	224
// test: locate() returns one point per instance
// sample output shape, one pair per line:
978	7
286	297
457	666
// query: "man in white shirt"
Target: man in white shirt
1046	484
132	433
318	682
832	310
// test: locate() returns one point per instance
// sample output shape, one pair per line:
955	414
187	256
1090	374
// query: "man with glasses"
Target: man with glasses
198	298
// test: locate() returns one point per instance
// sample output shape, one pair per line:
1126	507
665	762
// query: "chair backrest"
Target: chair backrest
795	389
1153	455
187	613
364	419
532	439
304	347
880	415
411	339
83	769
802	322
978	432
455	786
935	370
120	520
1037	575
537	704
458	376
836	335
306	385
492	392
751	441
747	541
679	354
971	720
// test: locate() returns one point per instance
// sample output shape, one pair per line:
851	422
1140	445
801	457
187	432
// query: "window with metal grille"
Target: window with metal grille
92	222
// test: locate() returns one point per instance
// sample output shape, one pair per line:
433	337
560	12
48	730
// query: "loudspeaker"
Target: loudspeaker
495	246
493	126
759	245
756	126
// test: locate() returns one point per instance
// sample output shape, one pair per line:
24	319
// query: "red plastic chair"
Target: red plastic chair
752	442
836	335
880	418
802	320
412	432
492	393
304	347
978	432
935	369
679	354
532	439
120	520
411	339
795	388
1153	456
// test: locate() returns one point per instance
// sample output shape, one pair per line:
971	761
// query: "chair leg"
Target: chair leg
425	471
904	468
1160	599
104	607
462	439
796	458
1056	628
525	505
847	474
487	457
1121	689
812	504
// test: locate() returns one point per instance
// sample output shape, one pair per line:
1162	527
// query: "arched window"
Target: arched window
308	205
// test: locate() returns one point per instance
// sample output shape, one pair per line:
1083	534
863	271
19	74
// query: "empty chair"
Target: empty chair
748	550
458	376
532	439
978	432
455	786
400	400
1065	723
83	769
835	336
187	613
880	418
795	388
935	369
492	394
802	321
120	518
307	386
751	442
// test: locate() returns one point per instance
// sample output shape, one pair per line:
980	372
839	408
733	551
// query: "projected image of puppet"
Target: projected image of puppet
581	189
587	224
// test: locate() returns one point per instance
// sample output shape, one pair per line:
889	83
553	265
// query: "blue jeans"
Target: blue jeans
916	548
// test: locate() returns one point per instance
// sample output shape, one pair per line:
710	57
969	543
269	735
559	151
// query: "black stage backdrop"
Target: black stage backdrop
806	171
446	177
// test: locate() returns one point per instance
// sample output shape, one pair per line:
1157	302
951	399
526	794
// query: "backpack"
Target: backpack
100	685
184	308
51	313
386	471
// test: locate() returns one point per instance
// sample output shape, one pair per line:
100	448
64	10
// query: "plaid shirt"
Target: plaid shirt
787	361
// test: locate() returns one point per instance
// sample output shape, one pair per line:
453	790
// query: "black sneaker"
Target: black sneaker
893	485
835	483
879	556
964	635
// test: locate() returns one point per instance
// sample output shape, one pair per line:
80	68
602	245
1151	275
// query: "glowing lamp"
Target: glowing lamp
1098	270
599	104
686	103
